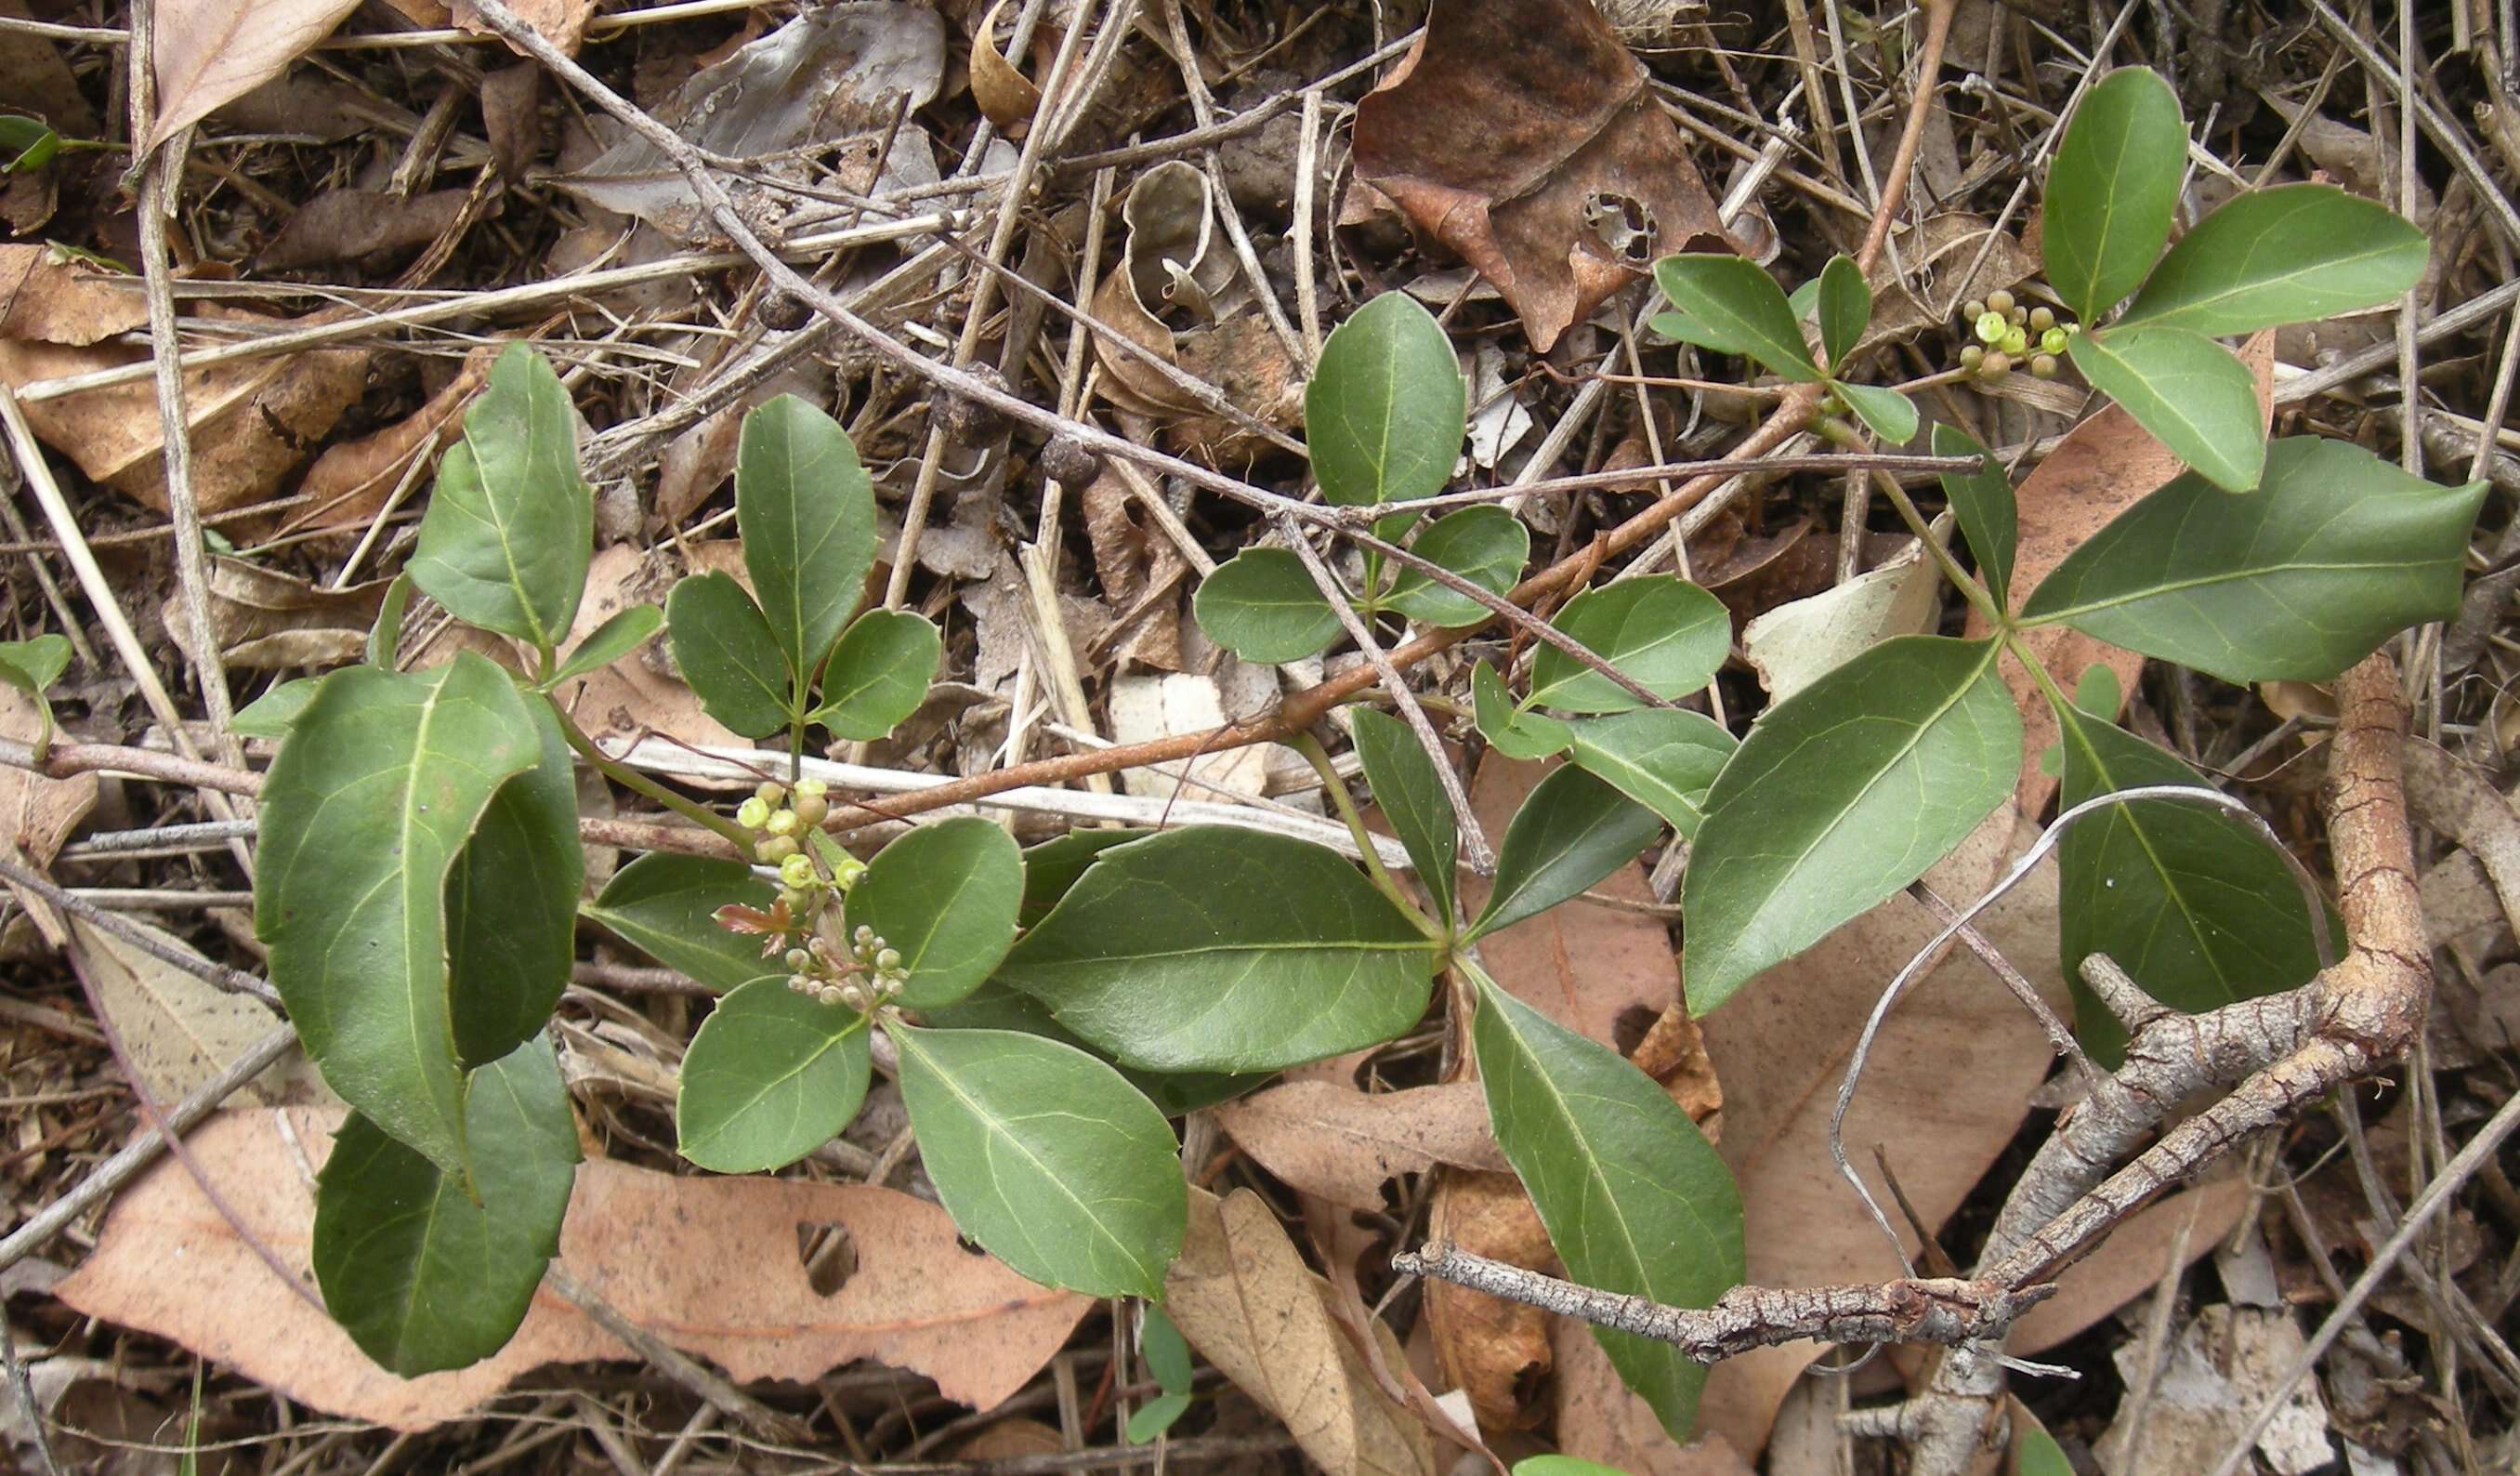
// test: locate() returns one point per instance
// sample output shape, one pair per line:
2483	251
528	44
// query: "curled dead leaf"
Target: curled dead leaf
1496	1352
1007	97
348	484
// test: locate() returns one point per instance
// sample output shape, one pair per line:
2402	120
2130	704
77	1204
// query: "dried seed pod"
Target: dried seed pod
1071	462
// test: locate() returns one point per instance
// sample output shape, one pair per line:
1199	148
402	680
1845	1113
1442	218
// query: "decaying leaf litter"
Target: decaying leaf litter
1144	217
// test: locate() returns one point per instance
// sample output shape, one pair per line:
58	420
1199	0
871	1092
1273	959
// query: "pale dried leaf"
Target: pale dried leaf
1600	1420
2219	1369
1495	1350
1243	1297
562	23
351	481
708	1265
209	51
1799	642
179	1030
43	300
1145	707
1342	1144
37	814
1007	97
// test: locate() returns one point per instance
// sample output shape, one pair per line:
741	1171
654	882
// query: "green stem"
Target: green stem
631	779
1320	758
1971	589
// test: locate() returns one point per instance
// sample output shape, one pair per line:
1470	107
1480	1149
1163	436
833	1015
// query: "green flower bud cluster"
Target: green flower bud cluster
2008	331
870	975
780	820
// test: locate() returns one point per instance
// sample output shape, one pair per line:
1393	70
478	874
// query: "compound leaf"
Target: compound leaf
1046	1157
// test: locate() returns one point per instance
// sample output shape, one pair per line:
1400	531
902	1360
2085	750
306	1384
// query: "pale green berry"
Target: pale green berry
1973	309
1971	355
2015	342
797	871
1999	301
775	850
888	959
797	902
2044	366
863	938
752	814
781	822
769	792
1992	326
811	810
2042	319
2053	341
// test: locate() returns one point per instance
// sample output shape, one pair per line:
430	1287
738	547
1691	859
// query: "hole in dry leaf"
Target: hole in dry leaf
830	1255
1630	1026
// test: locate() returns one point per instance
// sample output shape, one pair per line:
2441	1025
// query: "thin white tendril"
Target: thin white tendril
2038	852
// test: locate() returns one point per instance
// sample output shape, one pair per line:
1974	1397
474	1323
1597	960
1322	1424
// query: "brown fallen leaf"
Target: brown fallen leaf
1600	1421
261	618
1342	1144
209	51
1243	1297
562	23
37	814
2129	1264
1495	1350
350	482
1007	97
1948	1081
47	300
341	225
180	1029
1557	176
2105	466
708	1265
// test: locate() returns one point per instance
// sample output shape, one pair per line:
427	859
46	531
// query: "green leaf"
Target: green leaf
1046	1157
728	655
1571	831
1845	307
1888	414
1412	796
879	674
945	897
1662	758
1485	545
1511	730
1387	409
511	905
2196	906
1209	949
2289	254
607	643
2192	393
1634	1199
380	781
1263	606
2035	1452
806	510
1561	1465
1664	633
1166	1350
2113	189
1052	867
423	1275
2337	551
25	144
271	715
1155	1416
1737	308
1983	502
384	637
41	660
771	1077
666	905
511	527
996	1005
1842	794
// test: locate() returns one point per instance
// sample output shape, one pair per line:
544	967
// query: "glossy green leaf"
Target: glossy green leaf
1485	545
1983	502
1263	606
423	1275
511	905
2035	1452
1842	794
2335	552
2192	393
1664	759
1412	797
1664	633
1386	408
728	655
1155	1416
1889	415
2293	253
25	144
1046	1157
384	637
1053	866
1572	830
1510	730
1845	306
510	525
271	715
771	1076
379	785
666	904
2113	189
607	643
1634	1199
879	674
1735	307
1209	949
996	1005
2192	903
944	896
806	510
41	661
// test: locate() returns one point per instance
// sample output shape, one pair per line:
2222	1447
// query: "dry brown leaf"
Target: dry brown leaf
708	1265
511	118
44	300
1243	1297
341	225
1332	1141
2129	1264
37	814
34	77
1606	973
209	51
351	481
1007	97
630	697
179	1030
1599	1419
1496	1352
2106	465
1136	564
263	618
562	23
1948	1081
1557	176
